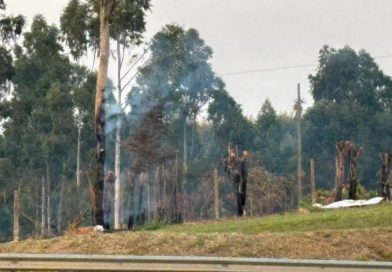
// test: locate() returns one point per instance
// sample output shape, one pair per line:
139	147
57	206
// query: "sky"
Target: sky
263	48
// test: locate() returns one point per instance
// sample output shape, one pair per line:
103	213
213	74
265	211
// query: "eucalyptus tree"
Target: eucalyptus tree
178	78
268	138
179	75
10	29
90	25
229	124
39	120
352	102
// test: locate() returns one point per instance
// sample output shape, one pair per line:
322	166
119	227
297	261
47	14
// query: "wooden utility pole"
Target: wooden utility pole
298	109
216	193
312	181
16	215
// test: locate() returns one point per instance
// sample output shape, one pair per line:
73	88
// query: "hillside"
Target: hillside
355	234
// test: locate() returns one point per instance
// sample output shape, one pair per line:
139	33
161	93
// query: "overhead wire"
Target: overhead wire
284	67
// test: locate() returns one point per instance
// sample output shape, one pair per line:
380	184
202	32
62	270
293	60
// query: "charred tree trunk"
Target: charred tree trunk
346	153
159	188
131	193
354	154
341	153
140	206
105	11
385	160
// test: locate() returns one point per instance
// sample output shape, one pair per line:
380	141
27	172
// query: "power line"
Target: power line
284	67
268	69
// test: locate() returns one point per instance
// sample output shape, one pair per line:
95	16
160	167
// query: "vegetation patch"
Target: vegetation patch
352	234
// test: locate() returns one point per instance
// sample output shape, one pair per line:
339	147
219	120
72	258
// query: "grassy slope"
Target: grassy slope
354	218
356	234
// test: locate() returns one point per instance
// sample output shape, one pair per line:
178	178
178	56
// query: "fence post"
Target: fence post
312	181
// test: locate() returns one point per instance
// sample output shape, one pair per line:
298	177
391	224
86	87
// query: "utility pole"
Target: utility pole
298	109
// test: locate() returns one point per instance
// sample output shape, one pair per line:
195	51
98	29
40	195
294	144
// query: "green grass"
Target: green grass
378	216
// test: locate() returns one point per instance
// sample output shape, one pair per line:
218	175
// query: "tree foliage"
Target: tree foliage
10	29
178	77
352	102
80	23
39	124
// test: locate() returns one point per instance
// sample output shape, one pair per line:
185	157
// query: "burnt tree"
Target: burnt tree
346	155
385	160
341	153
353	155
237	170
105	11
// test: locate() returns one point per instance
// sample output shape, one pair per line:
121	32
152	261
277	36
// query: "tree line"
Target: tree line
165	138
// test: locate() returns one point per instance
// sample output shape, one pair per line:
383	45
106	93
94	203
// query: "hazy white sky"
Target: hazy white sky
261	34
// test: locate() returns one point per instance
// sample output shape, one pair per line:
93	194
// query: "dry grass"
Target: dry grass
371	244
358	234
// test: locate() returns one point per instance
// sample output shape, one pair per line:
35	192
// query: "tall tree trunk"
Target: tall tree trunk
43	206
131	194
37	207
140	210
78	159
16	215
117	157
185	171
158	199
78	151
105	10
193	125
148	215
60	207
174	208
216	193
48	200
185	160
